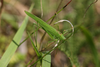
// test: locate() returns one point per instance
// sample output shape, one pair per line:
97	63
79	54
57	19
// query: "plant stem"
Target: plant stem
28	36
89	7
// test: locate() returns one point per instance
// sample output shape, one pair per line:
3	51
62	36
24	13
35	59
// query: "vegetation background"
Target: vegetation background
77	50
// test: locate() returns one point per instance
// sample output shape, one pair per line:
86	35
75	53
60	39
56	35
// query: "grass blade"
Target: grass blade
46	61
92	45
12	47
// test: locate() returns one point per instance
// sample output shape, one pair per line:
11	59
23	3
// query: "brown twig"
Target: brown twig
67	4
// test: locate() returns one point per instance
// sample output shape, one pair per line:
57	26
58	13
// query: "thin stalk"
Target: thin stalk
59	11
28	36
56	11
30	61
86	11
36	34
36	37
89	7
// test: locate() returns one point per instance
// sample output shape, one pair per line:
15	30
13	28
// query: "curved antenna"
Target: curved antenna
68	22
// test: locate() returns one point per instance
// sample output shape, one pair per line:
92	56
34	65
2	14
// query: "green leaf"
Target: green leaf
91	44
14	44
38	64
46	61
49	29
37	52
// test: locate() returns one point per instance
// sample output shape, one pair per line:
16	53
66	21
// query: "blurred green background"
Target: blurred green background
77	48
